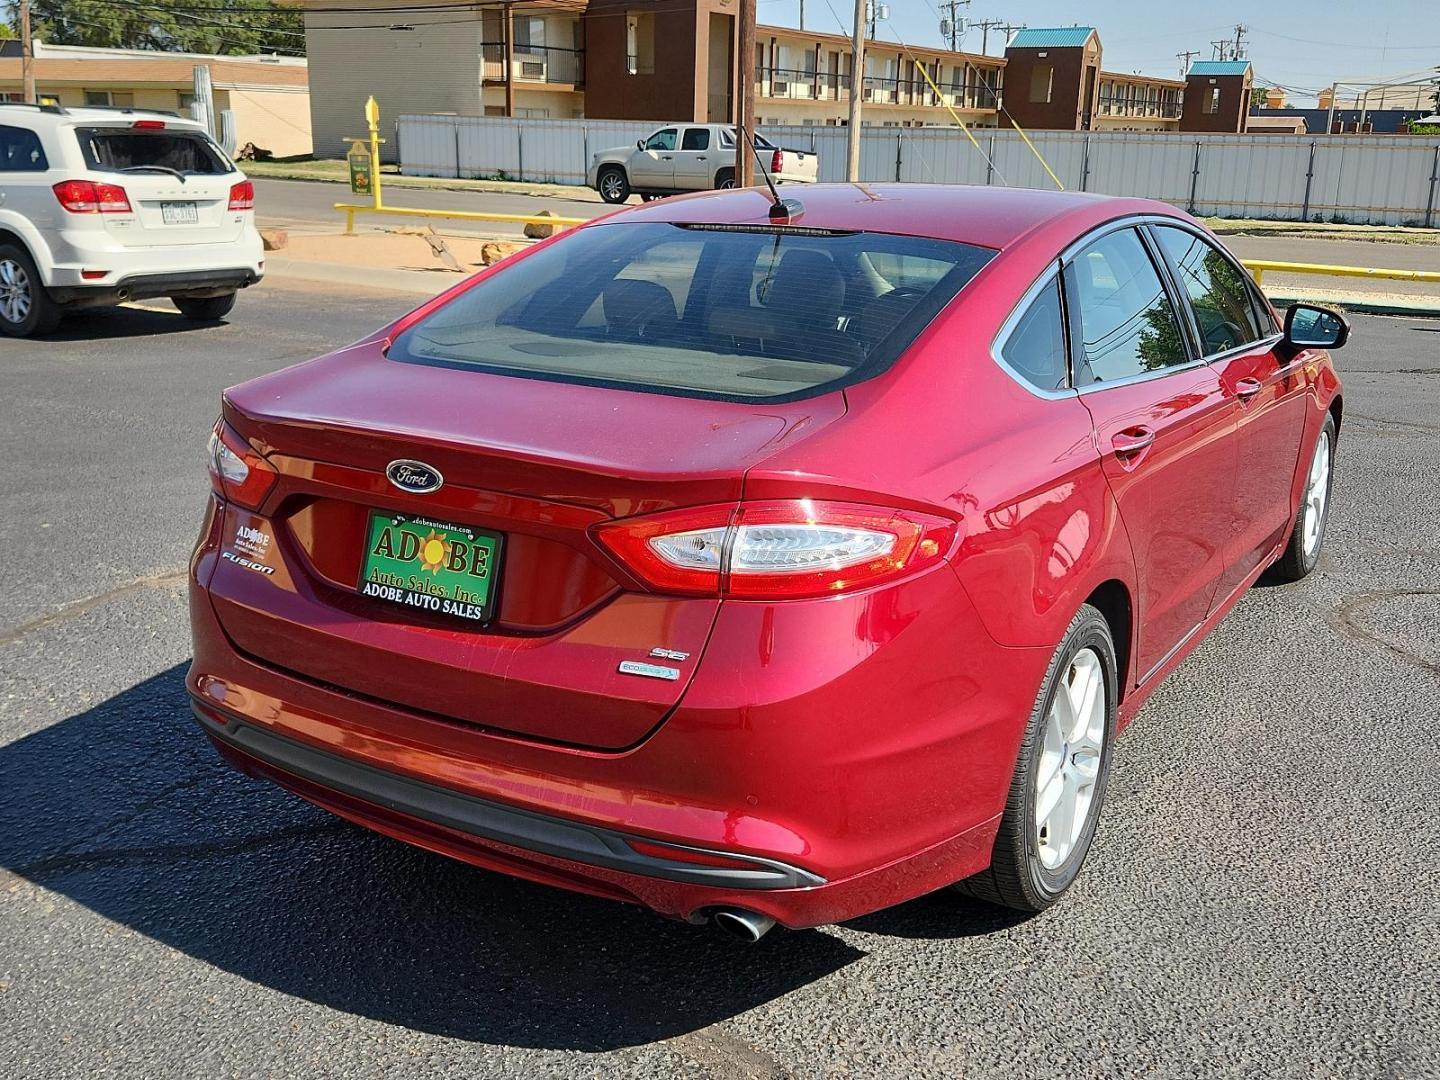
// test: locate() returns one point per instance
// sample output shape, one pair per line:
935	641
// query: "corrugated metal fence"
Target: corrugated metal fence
1381	180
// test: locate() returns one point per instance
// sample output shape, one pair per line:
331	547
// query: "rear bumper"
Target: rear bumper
196	283
841	756
483	820
73	251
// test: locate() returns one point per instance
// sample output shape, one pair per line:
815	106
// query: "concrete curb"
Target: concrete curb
1425	309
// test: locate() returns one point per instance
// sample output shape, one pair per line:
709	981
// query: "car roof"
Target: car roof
993	217
59	116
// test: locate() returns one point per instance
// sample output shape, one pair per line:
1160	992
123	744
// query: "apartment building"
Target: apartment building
1217	95
1057	81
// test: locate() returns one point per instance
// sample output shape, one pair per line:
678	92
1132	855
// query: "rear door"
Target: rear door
695	160
1266	393
652	167
25	176
177	180
1162	424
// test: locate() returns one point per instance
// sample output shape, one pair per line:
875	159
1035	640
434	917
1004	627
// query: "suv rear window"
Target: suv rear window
732	312
120	149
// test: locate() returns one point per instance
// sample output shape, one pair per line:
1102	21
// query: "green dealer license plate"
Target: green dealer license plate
431	565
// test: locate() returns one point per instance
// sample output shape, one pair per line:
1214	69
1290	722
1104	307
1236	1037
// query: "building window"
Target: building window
1212	100
640	43
1042	84
111	99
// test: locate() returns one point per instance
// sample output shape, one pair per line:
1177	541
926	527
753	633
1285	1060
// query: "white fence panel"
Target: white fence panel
1374	179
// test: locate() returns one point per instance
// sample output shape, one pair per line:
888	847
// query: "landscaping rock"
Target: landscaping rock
537	231
274	239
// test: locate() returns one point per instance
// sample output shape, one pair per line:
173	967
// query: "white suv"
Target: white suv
101	206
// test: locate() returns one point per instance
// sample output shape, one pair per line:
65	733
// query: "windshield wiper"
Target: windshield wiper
156	168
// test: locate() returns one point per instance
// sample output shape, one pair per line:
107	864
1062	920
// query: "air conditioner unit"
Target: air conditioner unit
533	70
778	88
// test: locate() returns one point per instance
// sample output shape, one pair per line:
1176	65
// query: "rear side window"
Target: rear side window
696	139
127	150
738	313
1127	323
20	151
1035	349
1218	295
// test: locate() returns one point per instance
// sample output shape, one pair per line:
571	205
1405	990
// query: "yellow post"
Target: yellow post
372	117
1257	274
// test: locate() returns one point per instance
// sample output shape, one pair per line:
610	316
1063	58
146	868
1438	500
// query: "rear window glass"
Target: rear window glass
127	150
710	311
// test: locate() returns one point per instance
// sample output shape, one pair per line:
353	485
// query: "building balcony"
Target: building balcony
538	65
796	84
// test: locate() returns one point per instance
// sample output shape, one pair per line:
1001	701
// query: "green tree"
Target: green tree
205	26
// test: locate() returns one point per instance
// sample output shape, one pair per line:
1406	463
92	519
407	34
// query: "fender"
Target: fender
34	241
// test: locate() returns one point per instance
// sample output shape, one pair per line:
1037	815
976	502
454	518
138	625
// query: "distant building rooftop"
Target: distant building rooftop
1060	37
1219	67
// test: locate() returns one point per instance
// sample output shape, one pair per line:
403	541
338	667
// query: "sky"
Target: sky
1298	44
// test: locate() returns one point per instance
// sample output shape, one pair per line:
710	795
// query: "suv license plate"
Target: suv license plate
179	213
430	565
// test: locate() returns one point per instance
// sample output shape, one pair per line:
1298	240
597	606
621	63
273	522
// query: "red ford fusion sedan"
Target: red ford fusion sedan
762	563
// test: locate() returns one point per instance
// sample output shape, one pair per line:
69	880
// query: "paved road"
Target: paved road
1261	901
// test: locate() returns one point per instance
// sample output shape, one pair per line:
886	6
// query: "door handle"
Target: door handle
1131	442
702	157
664	157
1245	389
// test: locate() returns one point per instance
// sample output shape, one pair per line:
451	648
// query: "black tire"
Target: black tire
25	307
204	308
1301	557
725	179
613	184
1018	876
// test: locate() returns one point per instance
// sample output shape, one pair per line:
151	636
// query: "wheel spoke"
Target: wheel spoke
1049	798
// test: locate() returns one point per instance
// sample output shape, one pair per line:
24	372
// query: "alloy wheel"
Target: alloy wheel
610	186
1317	495
1069	767
15	298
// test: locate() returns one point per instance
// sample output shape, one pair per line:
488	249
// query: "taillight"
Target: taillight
777	550
242	196
87	197
237	472
777	161
149	125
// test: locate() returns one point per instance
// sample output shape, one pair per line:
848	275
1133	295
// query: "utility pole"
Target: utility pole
1238	53
952	27
1010	29
985	27
1184	58
27	54
745	99
802	14
857	85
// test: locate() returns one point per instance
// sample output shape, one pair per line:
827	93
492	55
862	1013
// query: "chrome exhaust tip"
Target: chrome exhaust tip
746	925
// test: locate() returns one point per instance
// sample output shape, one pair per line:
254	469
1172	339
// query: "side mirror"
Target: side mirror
639	144
1311	327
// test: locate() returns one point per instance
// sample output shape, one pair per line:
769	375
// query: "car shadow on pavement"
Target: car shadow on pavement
92	324
126	809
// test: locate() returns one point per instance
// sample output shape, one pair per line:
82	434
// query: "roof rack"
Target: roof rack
127	110
59	110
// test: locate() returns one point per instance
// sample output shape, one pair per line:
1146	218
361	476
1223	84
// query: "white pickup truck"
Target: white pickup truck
690	157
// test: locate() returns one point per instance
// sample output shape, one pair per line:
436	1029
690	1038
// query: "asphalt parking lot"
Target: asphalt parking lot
1261	900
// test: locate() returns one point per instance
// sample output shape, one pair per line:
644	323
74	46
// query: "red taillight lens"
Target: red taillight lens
86	197
777	162
242	196
778	550
237	472
149	125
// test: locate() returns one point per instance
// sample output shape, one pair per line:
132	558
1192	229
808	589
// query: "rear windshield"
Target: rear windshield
123	149
710	311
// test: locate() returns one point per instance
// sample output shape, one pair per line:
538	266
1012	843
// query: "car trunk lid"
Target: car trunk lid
536	463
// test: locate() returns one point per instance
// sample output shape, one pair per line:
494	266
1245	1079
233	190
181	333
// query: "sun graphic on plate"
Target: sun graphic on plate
434	550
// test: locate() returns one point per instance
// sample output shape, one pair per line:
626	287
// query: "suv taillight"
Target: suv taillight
237	472
88	197
777	162
242	196
781	549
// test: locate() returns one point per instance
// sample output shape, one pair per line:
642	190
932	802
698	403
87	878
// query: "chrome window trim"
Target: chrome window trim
1188	331
1007	328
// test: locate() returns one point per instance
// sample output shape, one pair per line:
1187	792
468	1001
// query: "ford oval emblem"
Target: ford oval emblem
414	476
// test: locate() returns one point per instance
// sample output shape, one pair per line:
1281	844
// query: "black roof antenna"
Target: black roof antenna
779	208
